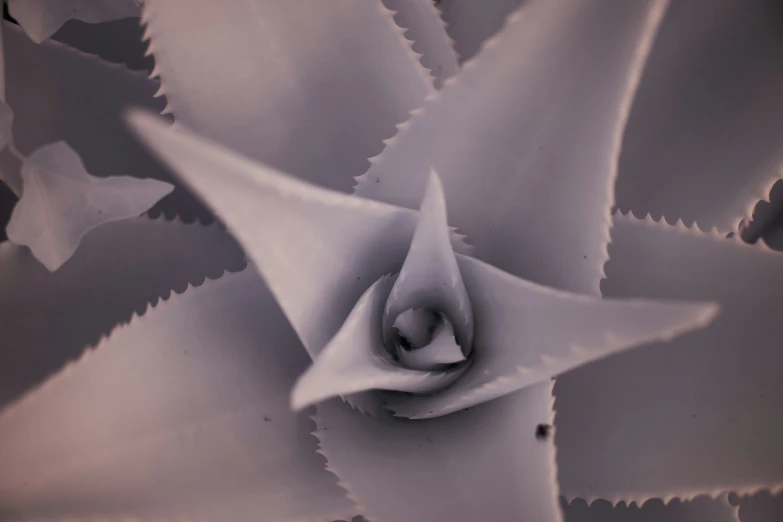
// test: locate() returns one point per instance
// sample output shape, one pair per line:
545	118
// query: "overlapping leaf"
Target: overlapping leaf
48	318
308	87
700	414
183	412
60	94
526	139
425	28
481	464
312	245
704	136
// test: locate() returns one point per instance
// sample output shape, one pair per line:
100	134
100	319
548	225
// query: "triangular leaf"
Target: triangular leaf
530	128
308	87
700	413
312	245
183	412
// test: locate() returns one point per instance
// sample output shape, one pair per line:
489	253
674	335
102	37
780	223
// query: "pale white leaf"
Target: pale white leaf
430	277
526	333
470	23
425	28
42	18
312	245
61	203
699	509
529	129
485	463
355	360
701	414
184	412
48	318
60	94
703	142
306	86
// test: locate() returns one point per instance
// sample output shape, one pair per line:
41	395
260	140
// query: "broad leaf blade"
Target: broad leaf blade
532	127
704	134
312	245
308	87
700	414
48	318
425	28
183	412
526	333
481	464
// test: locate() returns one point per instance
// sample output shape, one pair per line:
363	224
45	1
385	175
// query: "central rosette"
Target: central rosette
410	332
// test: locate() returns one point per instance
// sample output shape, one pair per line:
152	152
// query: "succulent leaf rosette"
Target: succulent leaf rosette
408	338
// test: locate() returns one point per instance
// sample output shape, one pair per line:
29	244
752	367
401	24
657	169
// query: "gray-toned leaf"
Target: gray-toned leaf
699	509
704	135
701	414
183	412
61	203
425	28
429	277
470	23
527	333
532	127
308	87
355	360
42	18
312	245
481	464
47	318
60	94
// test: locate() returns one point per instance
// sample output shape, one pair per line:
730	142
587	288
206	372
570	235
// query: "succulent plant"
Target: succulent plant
405	277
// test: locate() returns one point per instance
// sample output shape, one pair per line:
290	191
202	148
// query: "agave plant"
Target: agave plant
405	328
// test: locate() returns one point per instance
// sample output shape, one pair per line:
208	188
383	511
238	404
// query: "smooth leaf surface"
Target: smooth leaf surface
481	464
355	360
425	28
699	509
429	277
308	87
60	94
183	412
532	127
42	18
48	318
700	414
527	333
704	135
318	250
61	202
